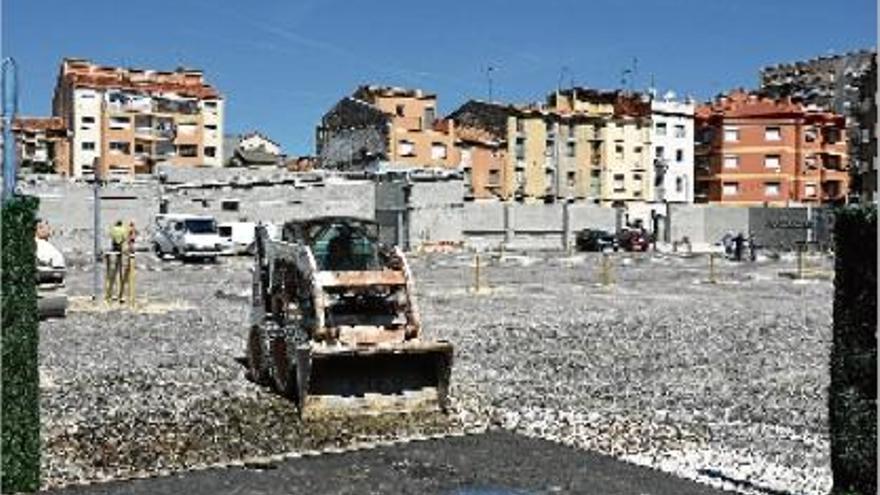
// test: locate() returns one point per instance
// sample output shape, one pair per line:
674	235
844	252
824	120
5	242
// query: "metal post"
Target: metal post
10	109
96	234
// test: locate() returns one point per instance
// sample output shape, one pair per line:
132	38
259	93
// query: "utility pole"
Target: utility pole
10	109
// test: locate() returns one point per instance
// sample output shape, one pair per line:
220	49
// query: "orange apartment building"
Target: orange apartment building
753	150
128	121
386	126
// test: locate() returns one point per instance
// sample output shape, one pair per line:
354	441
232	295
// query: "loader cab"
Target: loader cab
339	243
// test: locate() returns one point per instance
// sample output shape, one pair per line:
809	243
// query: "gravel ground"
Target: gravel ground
724	383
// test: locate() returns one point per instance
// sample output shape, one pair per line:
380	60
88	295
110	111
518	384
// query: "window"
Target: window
679	184
679	155
810	134
679	131
659	152
520	125
88	120
119	122
772	133
618	183
637	179
731	161
731	134
210	151
399	110
429	118
810	190
549	147
465	157
119	147
771	161
187	150
494	177
771	189
406	148
88	146
211	127
571	131
660	128
637	150
520	148
211	104
618	150
229	204
139	148
730	189
570	149
571	178
438	151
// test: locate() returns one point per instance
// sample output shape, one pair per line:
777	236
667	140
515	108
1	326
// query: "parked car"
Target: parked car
187	237
633	239
595	240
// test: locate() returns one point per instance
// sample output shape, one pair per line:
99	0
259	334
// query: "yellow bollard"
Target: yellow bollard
131	272
477	272
800	262
712	278
606	269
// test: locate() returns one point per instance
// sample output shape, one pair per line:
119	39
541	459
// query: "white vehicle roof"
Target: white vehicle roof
183	216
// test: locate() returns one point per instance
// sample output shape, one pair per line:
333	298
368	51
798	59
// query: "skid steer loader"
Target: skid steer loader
334	324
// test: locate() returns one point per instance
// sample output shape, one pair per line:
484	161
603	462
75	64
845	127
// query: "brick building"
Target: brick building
42	144
754	150
386	126
835	83
128	121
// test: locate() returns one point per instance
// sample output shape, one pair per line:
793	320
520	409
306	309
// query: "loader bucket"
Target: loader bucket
405	377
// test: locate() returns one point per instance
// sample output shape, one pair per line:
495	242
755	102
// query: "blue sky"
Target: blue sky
282	64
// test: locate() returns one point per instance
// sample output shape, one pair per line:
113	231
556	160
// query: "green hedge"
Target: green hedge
19	402
853	393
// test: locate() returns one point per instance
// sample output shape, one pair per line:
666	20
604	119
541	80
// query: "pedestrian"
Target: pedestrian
118	236
132	236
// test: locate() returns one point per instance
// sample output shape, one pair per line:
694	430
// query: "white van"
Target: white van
187	236
239	236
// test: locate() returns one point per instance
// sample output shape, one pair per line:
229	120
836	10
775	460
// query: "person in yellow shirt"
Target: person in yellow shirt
118	236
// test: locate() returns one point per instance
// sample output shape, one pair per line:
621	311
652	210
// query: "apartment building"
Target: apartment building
754	150
384	126
621	158
529	153
127	121
834	83
672	142
42	144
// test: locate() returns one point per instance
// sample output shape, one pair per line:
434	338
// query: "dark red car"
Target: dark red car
633	240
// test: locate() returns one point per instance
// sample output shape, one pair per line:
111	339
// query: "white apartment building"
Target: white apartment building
672	143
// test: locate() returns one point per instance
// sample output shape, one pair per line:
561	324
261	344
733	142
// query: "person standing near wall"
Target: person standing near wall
118	236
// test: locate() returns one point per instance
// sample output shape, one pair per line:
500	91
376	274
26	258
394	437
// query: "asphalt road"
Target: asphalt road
494	463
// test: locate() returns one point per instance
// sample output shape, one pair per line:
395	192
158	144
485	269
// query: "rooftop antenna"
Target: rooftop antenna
489	70
562	76
635	71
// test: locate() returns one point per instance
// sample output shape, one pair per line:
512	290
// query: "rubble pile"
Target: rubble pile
696	379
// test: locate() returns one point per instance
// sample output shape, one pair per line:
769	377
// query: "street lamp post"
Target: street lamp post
10	108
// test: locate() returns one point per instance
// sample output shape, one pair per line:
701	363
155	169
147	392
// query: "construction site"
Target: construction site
691	364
